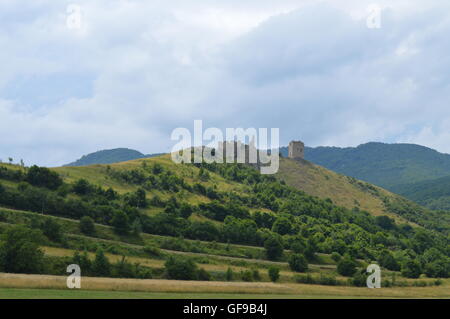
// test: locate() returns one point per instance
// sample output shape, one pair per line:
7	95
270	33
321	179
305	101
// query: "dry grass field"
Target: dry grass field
33	284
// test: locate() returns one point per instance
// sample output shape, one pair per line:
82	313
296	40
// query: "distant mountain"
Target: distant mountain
109	157
385	165
434	194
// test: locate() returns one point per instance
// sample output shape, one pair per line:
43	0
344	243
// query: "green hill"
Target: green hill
109	156
352	193
434	194
385	165
217	220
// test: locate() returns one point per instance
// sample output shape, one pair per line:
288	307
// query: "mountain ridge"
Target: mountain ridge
110	156
382	164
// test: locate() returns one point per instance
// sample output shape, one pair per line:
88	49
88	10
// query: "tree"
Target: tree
274	273
141	198
385	222
180	268
43	177
336	256
101	265
120	223
83	261
346	266
229	274
203	275
20	253
298	263
282	226
52	230
136	227
439	268
82	187
185	210
87	225
411	269
274	248
388	261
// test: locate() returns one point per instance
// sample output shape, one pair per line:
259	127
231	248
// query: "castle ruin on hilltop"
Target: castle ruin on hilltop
296	150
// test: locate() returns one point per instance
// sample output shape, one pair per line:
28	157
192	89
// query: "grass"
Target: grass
318	181
97	174
42	286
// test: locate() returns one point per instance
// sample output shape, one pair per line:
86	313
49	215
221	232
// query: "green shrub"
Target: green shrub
359	279
181	268
298	263
203	275
87	225
346	267
336	256
152	250
101	266
274	248
411	269
246	275
274	273
20	252
229	274
305	279
255	274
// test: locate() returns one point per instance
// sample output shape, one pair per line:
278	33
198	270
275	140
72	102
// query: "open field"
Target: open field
43	286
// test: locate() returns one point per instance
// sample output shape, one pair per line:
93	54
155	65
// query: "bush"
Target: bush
305	279
327	279
82	187
152	251
388	261
87	225
336	256
298	263
20	253
181	268
229	274
255	274
203	275
52	230
246	275
120	223
411	269
439	268
274	248
274	273
346	267
101	266
83	261
43	177
359	279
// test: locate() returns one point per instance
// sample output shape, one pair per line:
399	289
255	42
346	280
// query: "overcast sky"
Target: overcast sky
132	71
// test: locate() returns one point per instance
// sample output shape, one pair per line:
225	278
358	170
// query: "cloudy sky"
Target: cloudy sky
131	71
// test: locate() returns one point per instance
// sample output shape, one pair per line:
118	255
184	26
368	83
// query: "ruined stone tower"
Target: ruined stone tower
296	149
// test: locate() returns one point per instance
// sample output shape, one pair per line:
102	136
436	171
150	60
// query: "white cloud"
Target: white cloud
136	70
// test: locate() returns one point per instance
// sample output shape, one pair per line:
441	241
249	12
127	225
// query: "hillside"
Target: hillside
385	165
342	190
146	218
351	193
434	194
110	156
